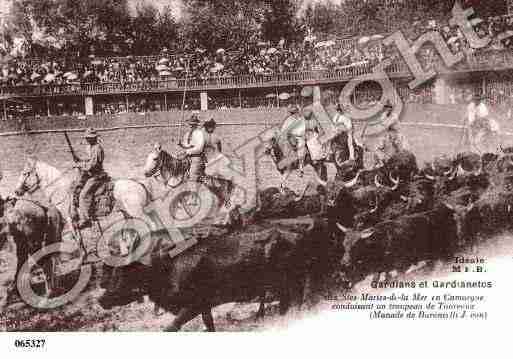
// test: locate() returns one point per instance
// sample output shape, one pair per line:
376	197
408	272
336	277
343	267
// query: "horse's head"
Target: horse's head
171	170
153	161
29	180
272	148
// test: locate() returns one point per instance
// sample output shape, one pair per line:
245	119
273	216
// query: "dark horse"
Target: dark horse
33	227
173	172
338	153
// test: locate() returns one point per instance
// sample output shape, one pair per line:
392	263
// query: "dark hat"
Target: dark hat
307	112
394	126
210	123
293	109
193	120
90	133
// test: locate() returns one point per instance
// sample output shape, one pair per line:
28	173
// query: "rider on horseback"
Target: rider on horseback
92	176
213	147
193	144
345	124
293	130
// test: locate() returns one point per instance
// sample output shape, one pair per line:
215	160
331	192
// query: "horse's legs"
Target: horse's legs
284	178
184	316
208	320
321	173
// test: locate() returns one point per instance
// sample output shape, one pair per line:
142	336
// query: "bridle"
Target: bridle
156	172
26	175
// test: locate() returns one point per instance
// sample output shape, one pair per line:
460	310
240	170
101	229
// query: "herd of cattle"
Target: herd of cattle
364	222
294	247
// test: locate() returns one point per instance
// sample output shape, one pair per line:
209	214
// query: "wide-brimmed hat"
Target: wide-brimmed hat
307	113
90	133
210	123
293	109
193	120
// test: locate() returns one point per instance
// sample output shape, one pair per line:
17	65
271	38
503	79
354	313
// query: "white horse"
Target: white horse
131	197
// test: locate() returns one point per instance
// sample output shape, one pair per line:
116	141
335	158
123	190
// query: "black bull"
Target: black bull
232	268
398	244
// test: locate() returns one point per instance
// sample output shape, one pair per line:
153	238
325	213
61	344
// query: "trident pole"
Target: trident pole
180	131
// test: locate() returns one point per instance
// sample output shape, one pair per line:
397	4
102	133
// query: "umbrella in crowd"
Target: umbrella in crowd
217	67
324	44
220	51
72	77
68	74
272	50
49	78
96	62
35	76
271	95
165	73
284	96
163	61
162	68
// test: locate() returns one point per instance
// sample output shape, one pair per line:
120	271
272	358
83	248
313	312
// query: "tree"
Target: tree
280	20
217	24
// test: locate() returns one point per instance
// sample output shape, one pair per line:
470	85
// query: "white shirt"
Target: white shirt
482	110
196	142
471	112
341	119
294	125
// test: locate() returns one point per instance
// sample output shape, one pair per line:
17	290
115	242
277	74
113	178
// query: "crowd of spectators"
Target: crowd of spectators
261	59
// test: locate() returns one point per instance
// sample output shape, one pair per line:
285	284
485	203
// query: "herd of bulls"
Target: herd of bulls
371	222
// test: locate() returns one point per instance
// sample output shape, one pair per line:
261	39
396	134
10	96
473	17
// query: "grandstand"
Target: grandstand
270	76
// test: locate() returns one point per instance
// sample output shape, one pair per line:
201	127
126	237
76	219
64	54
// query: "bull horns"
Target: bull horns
342	228
302	195
395	181
353	182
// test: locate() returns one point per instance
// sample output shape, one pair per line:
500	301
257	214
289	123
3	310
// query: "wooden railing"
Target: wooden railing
478	62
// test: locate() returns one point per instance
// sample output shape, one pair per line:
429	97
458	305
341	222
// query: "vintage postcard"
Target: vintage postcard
308	167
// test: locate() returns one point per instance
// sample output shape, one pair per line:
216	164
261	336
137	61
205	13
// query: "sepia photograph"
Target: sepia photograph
254	166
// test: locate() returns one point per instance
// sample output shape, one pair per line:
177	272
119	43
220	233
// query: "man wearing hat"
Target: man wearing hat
213	147
294	129
391	143
483	131
91	176
193	144
345	124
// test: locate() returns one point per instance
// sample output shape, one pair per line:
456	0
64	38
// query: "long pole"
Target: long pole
183	100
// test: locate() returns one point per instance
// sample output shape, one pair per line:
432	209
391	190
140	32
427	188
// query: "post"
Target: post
204	101
240	99
48	107
5	110
165	101
126	103
88	105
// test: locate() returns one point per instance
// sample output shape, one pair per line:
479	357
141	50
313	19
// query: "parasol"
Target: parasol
284	96
271	95
161	67
165	73
163	61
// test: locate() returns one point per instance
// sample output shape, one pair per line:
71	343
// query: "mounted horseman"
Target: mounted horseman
193	145
297	143
92	175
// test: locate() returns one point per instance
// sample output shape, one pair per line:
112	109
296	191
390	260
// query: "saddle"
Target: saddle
102	199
